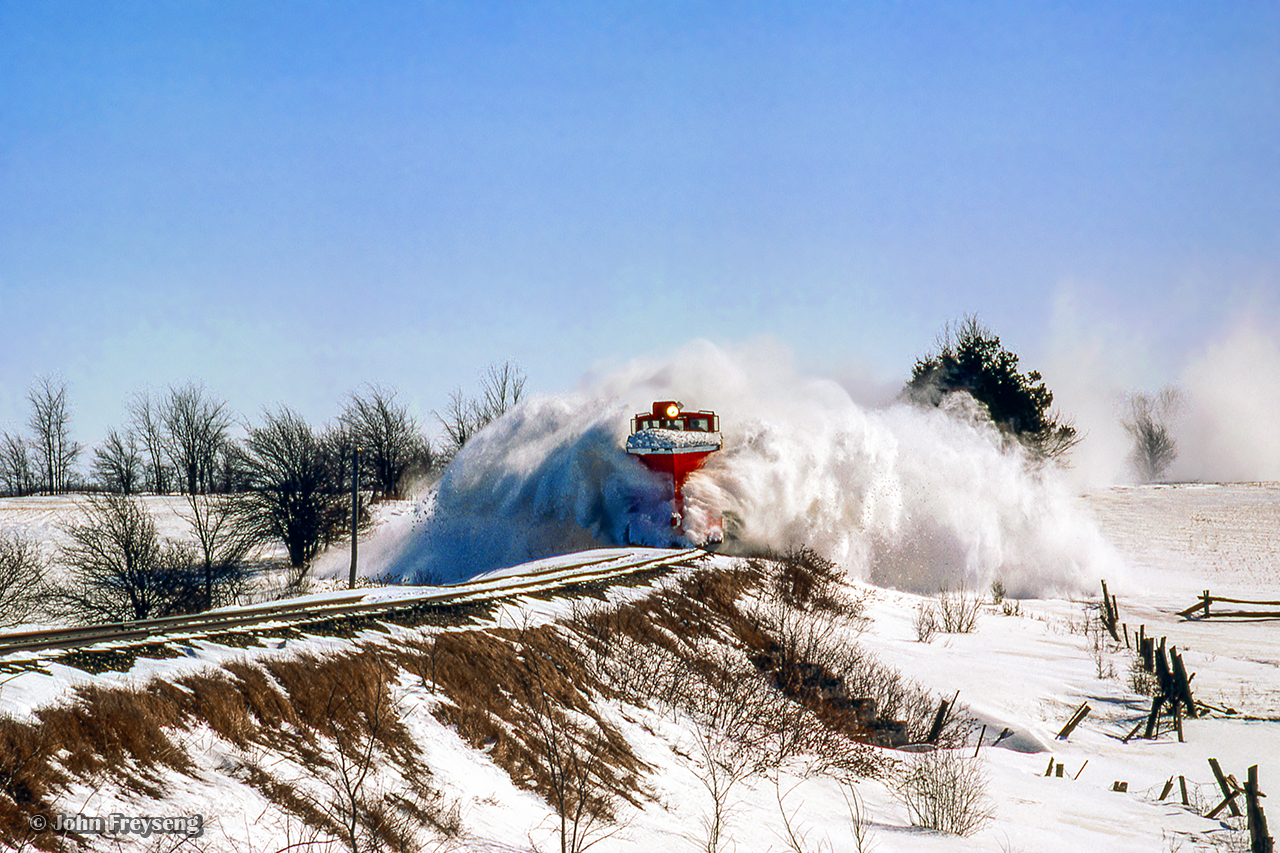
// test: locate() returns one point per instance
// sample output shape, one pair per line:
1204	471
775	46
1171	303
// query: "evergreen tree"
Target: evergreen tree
971	359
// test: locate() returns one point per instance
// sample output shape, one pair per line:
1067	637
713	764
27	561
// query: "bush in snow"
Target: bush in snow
946	792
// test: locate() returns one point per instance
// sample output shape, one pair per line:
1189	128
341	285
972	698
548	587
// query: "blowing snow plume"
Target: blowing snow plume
902	497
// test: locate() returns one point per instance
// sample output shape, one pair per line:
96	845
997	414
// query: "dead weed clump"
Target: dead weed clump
698	649
535	715
103	731
28	780
120	730
806	580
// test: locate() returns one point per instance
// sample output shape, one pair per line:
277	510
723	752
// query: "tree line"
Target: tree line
182	440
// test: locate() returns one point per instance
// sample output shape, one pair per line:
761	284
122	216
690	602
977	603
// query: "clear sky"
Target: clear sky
288	199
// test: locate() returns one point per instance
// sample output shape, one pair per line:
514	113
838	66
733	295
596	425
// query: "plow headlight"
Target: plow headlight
673	411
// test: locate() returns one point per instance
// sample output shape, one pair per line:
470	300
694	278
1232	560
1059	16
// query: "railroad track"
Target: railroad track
299	613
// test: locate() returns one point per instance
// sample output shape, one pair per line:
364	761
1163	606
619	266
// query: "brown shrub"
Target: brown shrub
116	728
219	701
534	677
27	782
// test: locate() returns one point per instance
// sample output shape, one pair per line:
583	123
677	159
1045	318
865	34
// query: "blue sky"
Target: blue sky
288	199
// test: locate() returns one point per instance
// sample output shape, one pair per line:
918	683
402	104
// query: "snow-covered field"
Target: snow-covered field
1025	672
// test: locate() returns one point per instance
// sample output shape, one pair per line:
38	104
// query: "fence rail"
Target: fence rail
1203	609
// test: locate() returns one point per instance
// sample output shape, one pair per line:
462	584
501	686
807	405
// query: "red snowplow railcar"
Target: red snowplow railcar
674	442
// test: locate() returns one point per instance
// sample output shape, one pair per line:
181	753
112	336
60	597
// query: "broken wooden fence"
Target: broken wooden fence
1260	840
1203	609
1174	685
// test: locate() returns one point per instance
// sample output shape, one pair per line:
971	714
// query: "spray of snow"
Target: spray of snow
1232	407
902	497
1225	428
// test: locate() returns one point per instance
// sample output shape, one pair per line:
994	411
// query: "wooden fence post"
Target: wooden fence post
1110	613
1259	840
935	731
1076	719
1228	793
1163	675
1182	683
1155	717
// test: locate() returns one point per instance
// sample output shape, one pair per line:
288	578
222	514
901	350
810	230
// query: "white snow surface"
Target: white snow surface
1026	672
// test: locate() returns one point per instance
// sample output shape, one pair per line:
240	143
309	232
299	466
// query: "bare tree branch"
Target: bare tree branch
50	422
292	485
390	443
21	579
501	388
119	567
17	473
148	424
117	463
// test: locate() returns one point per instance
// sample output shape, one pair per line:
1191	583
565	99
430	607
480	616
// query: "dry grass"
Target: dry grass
121	730
329	713
530	673
28	780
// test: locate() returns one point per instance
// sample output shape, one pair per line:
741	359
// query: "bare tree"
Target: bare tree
21	579
119	567
50	422
461	420
388	437
1147	419
222	546
117	463
17	474
197	428
732	730
148	425
572	756
290	483
501	388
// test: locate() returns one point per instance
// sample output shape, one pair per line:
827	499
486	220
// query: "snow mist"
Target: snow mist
918	500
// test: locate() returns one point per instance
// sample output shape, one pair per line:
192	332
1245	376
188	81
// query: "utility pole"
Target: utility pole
355	514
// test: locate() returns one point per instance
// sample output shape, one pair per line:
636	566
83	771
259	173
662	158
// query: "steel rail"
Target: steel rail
302	613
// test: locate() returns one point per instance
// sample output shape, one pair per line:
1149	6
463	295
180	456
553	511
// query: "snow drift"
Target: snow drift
902	497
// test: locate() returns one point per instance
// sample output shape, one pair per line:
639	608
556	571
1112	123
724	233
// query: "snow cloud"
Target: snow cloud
898	496
1231	429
